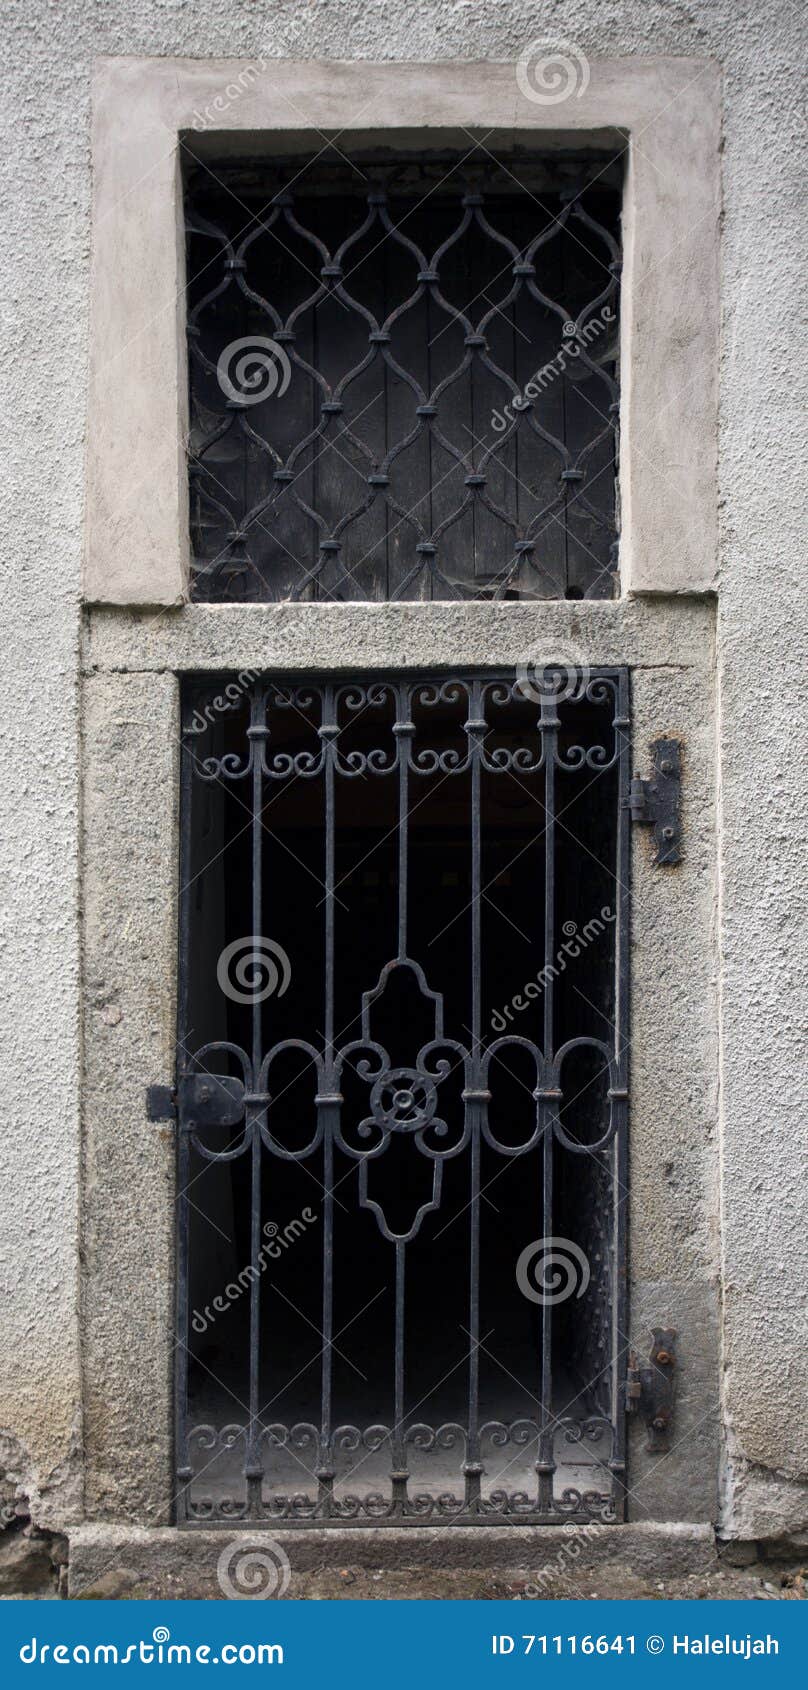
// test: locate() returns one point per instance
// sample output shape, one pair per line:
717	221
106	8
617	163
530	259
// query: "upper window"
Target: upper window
403	379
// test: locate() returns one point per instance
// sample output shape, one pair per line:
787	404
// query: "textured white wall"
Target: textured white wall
46	61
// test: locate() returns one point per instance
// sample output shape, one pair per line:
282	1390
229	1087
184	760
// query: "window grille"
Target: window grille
403	380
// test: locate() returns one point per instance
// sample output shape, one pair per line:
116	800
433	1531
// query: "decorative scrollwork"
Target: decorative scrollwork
594	1504
301	1436
519	1432
328	714
447	1436
227	767
304	1442
599	690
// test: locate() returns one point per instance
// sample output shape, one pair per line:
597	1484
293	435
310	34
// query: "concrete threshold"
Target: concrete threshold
164	1562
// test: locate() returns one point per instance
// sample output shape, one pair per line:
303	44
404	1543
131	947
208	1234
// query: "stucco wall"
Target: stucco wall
46	63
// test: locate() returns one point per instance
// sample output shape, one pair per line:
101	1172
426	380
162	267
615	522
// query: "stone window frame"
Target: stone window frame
664	112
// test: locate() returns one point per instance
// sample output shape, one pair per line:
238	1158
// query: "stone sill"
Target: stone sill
164	1562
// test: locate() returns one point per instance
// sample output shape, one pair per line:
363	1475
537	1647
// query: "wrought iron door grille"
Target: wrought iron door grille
403	380
402	1100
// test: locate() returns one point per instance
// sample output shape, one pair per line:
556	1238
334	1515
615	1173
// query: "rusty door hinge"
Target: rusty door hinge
657	802
650	1390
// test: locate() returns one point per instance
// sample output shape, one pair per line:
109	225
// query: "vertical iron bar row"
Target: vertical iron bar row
399	1475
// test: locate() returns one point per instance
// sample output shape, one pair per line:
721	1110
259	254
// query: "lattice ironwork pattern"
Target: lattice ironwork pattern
390	1103
403	385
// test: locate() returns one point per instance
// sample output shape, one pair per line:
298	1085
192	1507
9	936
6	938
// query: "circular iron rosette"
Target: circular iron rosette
404	1101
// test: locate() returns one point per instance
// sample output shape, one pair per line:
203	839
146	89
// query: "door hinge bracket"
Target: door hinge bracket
199	1100
657	802
210	1100
161	1103
650	1390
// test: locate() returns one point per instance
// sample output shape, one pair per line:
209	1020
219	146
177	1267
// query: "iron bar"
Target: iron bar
550	725
253	1468
183	1468
326	1468
473	1467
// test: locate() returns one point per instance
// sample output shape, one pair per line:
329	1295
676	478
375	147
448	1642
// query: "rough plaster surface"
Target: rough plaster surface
46	61
130	858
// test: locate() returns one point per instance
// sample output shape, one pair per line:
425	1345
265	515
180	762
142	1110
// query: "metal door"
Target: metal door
402	1096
